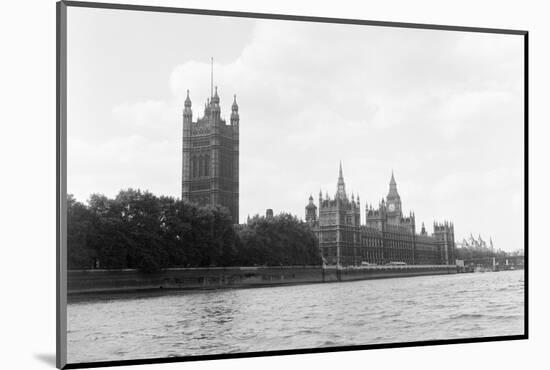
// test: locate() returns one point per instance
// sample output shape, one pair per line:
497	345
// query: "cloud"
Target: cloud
151	118
118	163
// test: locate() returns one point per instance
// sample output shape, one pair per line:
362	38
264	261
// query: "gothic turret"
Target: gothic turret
207	108
311	211
187	106
215	106
444	235
234	111
215	98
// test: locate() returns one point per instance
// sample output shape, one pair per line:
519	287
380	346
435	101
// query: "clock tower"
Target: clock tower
393	203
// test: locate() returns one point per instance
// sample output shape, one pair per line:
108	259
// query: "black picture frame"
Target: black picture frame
61	184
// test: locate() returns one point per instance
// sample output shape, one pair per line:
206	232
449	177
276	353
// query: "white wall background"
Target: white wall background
28	182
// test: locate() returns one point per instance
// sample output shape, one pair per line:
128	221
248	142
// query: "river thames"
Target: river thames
302	316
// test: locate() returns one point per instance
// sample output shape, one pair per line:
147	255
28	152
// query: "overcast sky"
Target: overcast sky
443	109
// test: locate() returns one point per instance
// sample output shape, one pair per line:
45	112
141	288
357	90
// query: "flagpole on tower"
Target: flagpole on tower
211	76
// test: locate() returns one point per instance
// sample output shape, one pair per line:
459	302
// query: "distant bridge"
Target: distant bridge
496	263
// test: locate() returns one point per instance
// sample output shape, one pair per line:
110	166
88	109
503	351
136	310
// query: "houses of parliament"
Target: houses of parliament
210	175
387	236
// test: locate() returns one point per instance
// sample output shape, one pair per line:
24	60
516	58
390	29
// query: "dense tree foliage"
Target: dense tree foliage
139	230
281	240
80	226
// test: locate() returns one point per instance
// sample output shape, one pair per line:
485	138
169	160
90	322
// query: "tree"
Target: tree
139	230
282	240
110	238
80	223
175	230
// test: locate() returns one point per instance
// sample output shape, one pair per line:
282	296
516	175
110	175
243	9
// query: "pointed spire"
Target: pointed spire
341	192
393	188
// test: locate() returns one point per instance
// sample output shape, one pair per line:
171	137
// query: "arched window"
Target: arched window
207	166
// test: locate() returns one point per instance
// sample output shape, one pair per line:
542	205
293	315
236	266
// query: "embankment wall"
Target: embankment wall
96	281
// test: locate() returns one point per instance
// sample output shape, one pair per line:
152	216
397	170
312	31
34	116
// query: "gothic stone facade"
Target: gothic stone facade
386	237
210	170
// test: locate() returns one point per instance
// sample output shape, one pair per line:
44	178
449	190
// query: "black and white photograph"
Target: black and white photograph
240	184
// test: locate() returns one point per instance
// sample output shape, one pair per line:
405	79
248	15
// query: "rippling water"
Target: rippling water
302	316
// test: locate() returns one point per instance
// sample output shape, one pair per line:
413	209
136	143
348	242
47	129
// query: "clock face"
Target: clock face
392	207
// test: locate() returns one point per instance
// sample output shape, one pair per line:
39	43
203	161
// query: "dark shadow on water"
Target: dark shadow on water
47	358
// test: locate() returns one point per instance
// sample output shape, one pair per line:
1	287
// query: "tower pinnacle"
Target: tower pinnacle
187	103
341	192
234	111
